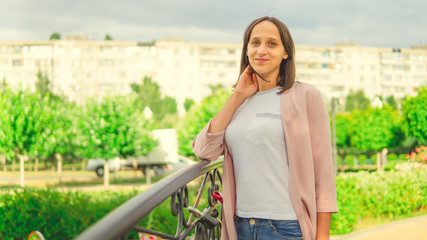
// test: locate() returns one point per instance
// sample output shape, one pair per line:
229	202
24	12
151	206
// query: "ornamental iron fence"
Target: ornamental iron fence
201	224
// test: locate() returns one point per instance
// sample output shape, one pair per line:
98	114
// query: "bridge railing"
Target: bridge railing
206	222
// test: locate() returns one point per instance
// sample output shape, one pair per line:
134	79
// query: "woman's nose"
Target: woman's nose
261	49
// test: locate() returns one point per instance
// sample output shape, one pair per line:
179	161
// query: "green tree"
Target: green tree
3	86
44	87
108	37
43	83
375	129
25	116
149	95
198	116
390	100
356	100
6	131
188	103
415	113
55	36
113	128
57	130
342	122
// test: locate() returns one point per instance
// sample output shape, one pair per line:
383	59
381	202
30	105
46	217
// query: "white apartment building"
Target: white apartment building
336	70
80	68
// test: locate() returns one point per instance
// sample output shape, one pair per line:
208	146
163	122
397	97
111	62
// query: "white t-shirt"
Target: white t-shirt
256	141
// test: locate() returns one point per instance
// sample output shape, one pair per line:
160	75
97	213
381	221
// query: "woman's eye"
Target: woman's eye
273	44
255	43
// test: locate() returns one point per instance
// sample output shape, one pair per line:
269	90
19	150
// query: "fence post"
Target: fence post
3	160
59	158
36	164
106	175
148	174
378	161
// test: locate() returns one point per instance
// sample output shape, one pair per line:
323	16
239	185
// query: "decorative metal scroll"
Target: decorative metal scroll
206	222
203	221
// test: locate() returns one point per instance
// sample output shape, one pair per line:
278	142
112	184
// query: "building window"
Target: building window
106	62
17	49
326	54
386	77
17	62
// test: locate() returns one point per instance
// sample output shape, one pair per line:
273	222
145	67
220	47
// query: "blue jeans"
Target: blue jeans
265	229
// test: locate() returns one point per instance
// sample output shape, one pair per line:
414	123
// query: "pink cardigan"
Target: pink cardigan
308	141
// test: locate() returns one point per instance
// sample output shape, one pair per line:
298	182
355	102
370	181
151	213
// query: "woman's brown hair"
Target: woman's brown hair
286	76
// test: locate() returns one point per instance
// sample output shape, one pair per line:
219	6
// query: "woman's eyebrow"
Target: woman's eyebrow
268	38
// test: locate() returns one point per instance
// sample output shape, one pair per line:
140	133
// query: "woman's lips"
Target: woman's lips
261	60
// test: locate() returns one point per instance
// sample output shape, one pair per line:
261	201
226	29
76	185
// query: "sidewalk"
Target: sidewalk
407	229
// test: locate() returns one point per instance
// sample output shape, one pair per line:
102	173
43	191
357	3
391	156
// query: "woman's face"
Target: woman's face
265	50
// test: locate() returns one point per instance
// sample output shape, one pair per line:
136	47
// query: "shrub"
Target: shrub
63	215
392	157
339	160
374	159
402	156
56	214
349	160
362	159
377	194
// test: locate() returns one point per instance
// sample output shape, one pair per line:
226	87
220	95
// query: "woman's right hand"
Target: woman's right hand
245	87
247	84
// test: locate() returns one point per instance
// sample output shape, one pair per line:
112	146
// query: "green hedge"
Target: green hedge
63	215
56	214
383	194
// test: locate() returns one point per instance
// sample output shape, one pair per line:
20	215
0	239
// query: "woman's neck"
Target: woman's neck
266	84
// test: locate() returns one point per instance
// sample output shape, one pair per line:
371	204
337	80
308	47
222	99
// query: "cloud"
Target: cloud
372	23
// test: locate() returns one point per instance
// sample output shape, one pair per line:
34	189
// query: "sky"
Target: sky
376	23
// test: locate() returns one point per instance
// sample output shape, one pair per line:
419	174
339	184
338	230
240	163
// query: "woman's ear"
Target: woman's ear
286	56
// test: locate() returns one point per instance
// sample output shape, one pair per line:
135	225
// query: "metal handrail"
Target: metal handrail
124	219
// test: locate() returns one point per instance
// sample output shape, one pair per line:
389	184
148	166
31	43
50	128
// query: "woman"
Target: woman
278	181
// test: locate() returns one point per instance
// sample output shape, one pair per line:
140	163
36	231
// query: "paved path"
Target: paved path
407	229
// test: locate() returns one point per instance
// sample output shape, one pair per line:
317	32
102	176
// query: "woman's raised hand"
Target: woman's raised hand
247	84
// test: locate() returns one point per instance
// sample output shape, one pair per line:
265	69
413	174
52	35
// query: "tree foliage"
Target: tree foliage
188	103
40	127
33	125
375	128
55	36
198	116
44	86
356	100
415	113
114	128
342	124
390	100
149	95
108	37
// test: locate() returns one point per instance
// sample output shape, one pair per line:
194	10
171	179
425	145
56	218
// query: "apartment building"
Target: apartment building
336	70
80	68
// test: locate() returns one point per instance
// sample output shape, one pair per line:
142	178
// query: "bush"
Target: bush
374	159
349	160
392	157
64	215
402	156
56	214
362	159
378	194
339	160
